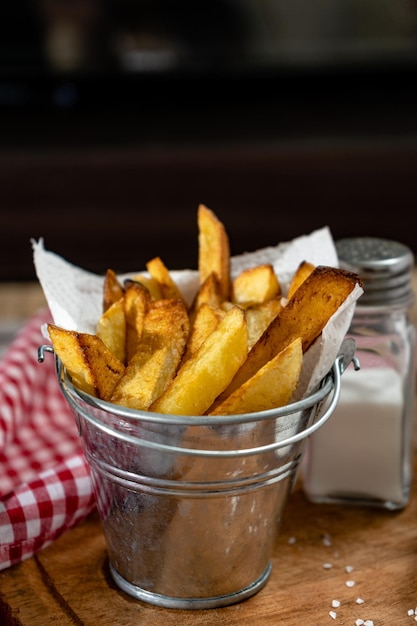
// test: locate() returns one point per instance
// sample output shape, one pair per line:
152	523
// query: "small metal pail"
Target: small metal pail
191	506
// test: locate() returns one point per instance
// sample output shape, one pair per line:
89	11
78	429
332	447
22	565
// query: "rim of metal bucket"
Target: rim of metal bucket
330	382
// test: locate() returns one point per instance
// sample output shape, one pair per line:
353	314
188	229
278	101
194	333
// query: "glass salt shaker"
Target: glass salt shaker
363	454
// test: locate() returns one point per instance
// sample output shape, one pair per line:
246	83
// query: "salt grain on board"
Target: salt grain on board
333	614
350	583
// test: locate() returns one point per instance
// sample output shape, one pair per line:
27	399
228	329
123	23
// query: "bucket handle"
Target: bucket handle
339	366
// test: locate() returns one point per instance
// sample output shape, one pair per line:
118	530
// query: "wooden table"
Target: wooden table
68	583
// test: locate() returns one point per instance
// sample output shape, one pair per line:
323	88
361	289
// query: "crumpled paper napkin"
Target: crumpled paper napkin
74	295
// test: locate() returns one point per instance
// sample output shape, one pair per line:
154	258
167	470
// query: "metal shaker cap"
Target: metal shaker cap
384	266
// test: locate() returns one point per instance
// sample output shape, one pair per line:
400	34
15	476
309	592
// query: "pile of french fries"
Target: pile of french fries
237	348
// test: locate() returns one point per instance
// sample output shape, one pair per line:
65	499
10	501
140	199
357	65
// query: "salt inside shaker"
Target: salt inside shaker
363	454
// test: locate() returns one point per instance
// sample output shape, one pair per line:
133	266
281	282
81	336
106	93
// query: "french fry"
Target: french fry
161	275
213	249
302	272
208	293
91	365
111	328
148	282
255	285
270	387
202	377
157	357
112	289
237	348
305	316
136	300
206	321
258	318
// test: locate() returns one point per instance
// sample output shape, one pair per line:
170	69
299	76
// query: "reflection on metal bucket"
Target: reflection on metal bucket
191	506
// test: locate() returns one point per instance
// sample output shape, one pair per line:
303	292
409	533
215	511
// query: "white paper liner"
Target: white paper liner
75	295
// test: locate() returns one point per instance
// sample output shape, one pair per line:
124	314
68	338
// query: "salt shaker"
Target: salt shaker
363	454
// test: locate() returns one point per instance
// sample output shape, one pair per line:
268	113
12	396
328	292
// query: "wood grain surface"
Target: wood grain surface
68	583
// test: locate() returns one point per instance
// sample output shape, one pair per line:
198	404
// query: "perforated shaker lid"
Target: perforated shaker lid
384	266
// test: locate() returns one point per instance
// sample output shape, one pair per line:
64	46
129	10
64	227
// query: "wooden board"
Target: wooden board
69	583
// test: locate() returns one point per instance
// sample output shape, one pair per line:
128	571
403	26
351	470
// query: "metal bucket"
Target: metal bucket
191	506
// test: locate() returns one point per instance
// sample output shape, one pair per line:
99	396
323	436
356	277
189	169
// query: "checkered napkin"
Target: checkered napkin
45	485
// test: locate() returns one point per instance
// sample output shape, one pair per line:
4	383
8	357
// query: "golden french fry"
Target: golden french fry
270	387
258	318
305	316
111	328
213	249
91	365
255	285
208	293
148	282
161	275
206	320
302	272
158	355
112	289
202	377
137	300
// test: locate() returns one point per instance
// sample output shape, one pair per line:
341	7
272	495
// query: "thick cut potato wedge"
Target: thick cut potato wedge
305	316
271	387
148	283
160	273
255	285
208	293
259	317
200	380
112	289
137	300
91	365
111	328
302	272
158	355
206	320
213	249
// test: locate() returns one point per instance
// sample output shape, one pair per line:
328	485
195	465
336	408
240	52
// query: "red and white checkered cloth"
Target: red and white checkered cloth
45	486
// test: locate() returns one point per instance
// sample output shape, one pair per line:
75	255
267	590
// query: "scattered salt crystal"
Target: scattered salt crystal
369	622
335	604
292	540
333	614
410	612
415	618
359	622
350	583
348	569
327	565
359	601
326	540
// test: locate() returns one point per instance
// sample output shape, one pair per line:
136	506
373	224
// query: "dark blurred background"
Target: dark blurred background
117	118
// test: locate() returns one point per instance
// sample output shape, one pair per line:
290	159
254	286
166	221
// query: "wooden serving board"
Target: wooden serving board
68	583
